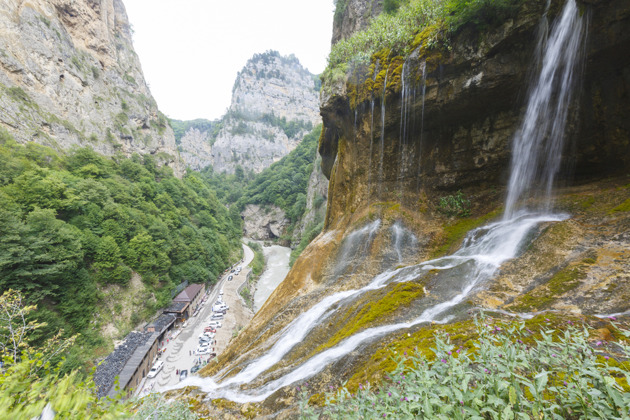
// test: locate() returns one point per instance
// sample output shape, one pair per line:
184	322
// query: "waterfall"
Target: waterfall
424	89
376	68
406	99
380	174
536	159
403	241
538	143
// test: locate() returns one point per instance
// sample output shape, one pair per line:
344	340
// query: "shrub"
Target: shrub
455	205
561	375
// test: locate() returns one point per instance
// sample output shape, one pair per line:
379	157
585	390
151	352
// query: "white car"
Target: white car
205	350
216	316
157	367
221	292
206	337
214	324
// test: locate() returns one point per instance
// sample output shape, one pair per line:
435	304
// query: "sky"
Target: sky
191	50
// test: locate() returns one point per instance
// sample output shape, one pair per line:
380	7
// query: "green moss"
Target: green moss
455	232
462	334
623	207
562	282
401	295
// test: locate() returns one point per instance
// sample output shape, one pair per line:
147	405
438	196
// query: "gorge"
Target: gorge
475	224
390	154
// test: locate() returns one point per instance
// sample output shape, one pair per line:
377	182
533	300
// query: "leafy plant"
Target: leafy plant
506	373
455	205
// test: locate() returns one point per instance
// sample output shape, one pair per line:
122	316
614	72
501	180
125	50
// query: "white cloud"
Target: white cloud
191	50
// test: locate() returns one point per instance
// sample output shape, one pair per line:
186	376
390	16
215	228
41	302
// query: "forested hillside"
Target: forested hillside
71	225
283	184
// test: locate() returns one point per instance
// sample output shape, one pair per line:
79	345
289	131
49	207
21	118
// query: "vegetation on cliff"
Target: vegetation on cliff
408	24
181	127
71	225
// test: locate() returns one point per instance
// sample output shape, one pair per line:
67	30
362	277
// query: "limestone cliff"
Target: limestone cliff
274	104
195	148
69	77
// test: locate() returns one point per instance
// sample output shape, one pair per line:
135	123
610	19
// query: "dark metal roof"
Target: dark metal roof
116	361
189	293
163	322
134	361
177	307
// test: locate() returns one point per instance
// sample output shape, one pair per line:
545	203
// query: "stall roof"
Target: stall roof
189	293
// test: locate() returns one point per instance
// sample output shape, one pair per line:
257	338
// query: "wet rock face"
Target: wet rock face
440	121
69	77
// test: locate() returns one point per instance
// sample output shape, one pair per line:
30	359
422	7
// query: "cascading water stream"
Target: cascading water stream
380	173
485	248
369	194
424	89
538	143
483	252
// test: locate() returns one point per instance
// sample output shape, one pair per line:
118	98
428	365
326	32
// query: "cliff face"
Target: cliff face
399	134
274	104
195	148
353	16
410	127
69	77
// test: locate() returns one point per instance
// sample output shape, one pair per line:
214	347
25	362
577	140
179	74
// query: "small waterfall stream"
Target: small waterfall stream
424	89
380	173
538	143
376	68
481	255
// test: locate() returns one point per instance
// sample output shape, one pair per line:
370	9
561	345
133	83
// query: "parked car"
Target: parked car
183	374
209	330
221	292
216	316
155	369
205	350
230	278
195	369
205	338
214	324
220	309
233	270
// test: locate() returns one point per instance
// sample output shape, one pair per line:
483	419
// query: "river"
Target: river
276	269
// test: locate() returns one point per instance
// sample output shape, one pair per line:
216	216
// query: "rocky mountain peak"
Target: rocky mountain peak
274	104
274	84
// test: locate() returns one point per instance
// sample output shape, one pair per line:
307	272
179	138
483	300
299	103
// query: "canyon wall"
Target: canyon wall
69	77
